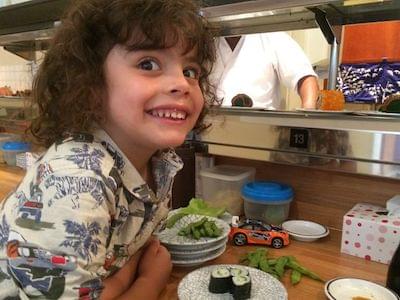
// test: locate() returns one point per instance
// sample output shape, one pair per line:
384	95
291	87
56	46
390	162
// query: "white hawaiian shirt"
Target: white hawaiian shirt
79	214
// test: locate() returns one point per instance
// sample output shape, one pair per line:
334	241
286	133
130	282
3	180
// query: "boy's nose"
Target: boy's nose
179	84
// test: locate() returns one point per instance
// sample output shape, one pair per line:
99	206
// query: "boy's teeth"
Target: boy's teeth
171	114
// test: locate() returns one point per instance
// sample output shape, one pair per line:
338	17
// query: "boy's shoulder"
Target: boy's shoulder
80	151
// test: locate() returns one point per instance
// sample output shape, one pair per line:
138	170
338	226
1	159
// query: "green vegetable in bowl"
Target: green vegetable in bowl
196	206
201	228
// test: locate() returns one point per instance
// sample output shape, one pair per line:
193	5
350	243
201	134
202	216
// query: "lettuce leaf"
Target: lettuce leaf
196	206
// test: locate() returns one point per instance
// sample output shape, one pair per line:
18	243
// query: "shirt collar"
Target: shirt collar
165	165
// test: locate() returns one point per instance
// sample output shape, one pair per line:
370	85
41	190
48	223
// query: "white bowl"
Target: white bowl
350	288
305	231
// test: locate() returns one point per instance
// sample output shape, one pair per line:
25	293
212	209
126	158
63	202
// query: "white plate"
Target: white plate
226	216
170	238
348	288
194	286
198	261
305	231
197	253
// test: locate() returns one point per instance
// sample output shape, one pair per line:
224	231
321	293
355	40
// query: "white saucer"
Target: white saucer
305	231
350	288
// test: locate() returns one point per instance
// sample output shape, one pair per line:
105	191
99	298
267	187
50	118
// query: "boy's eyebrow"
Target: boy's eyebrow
192	58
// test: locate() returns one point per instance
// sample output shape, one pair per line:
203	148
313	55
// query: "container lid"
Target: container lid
228	172
16	146
267	191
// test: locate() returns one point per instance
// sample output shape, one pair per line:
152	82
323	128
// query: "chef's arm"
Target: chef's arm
308	91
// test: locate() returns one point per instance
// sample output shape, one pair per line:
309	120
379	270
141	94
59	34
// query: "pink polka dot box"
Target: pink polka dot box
369	233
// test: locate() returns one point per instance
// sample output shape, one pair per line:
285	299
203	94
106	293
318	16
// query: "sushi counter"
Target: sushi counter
9	178
322	256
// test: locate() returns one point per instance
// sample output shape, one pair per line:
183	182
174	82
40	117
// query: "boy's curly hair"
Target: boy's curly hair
69	86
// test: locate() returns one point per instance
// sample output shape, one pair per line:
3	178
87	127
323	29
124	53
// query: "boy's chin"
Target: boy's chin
175	143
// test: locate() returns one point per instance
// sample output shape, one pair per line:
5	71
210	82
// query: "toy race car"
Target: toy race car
252	231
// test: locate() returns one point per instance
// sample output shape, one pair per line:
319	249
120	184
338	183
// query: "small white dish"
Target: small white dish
305	231
351	288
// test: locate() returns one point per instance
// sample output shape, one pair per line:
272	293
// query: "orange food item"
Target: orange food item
5	91
330	100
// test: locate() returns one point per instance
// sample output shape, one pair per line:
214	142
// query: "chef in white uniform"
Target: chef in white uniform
256	66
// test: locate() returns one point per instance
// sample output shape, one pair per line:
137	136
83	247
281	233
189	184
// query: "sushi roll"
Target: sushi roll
241	287
220	281
239	272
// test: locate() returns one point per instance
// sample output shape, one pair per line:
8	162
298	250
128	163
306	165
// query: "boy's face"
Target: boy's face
153	97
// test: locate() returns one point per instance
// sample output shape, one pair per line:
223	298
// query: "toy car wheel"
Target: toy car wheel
240	239
277	243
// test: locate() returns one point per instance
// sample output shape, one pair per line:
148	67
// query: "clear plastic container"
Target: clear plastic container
11	149
221	186
6	137
267	201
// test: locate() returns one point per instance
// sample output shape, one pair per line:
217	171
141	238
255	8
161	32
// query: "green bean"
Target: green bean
264	266
276	266
173	219
202	231
200	228
280	265
296	266
196	233
295	277
208	229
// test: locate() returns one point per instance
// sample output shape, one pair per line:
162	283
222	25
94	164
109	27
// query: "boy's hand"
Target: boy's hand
155	264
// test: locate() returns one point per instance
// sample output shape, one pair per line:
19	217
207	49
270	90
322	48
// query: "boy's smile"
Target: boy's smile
153	98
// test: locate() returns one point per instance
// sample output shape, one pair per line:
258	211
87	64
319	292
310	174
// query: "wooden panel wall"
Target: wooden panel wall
323	196
371	42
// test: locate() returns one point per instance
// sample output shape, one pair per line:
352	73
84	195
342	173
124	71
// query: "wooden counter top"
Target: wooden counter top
9	178
322	257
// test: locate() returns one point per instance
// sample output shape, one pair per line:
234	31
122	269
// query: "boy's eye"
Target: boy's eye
191	73
149	65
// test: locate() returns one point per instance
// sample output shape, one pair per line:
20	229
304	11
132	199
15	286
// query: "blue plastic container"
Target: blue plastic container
11	149
267	201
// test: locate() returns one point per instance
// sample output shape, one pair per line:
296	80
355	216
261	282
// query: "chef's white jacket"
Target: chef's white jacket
257	66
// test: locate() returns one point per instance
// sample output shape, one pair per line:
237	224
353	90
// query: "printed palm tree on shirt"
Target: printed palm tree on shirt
4	232
83	238
87	160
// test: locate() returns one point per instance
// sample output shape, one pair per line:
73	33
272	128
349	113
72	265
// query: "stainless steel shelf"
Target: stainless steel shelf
27	27
342	142
251	16
241	17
